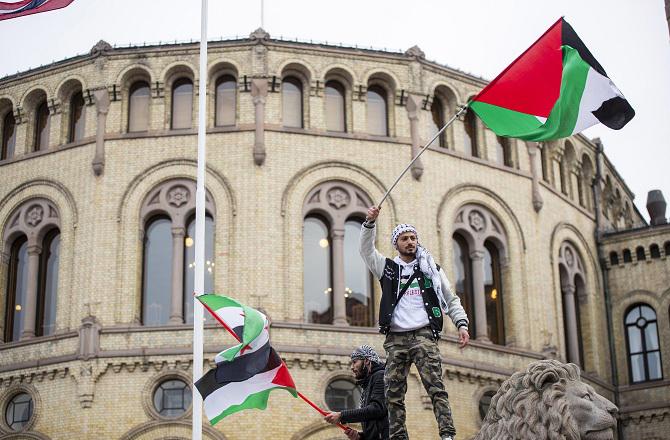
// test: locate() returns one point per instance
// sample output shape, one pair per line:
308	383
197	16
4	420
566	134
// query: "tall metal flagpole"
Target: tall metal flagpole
199	284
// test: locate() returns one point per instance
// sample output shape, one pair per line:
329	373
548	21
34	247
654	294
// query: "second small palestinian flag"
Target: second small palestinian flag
555	89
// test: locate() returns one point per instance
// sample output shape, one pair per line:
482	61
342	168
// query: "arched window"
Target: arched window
138	107
189	266
377	111
357	279
342	394
463	274
571	273
666	249
436	121
337	286
544	162
494	295
42	125
182	104
291	94
8	137
485	403
16	289
503	151
156	286
654	251
19	411
614	258
562	177
48	284
470	125
77	117
226	101
644	355
639	253
627	257
335	106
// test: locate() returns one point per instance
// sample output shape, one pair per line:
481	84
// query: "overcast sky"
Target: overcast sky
628	37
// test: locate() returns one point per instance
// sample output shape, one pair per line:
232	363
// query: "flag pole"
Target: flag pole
449	122
199	282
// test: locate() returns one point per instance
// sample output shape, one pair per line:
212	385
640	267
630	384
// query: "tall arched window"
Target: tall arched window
8	136
291	94
493	293
138	106
337	284
654	251
470	125
182	104
189	266
463	274
16	289
571	274
42	125
377	111
644	355
335	106
544	162
48	284
639	253
562	176
357	279
627	257
503	151
157	271
436	121
317	284
77	117
226	101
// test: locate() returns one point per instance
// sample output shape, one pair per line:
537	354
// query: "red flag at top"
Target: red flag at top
19	8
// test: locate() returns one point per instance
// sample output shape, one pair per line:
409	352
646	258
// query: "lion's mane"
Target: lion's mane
532	405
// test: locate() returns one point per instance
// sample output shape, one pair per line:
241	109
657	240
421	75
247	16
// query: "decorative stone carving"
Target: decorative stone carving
259	35
178	196
548	401
102	107
413	107
259	92
415	52
477	221
338	198
34	215
101	48
569	257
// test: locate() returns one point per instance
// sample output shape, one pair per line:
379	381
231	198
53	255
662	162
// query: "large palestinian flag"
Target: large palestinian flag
246	372
555	89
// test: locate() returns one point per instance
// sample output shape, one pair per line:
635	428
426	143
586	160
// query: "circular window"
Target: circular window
172	398
342	394
19	411
485	403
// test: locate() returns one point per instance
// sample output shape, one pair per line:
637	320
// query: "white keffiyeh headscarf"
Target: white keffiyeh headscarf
425	259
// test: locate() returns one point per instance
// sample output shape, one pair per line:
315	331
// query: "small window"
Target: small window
503	151
627	257
335	107
614	258
8	137
172	398
138	107
182	104
377	113
342	394
291	93
471	145
19	411
654	251
666	248
485	403
42	125
436	122
226	101
639	254
77	117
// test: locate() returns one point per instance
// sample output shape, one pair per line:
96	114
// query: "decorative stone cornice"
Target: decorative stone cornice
101	48
259	35
415	52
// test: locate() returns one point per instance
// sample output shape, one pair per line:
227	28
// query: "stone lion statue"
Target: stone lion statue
548	401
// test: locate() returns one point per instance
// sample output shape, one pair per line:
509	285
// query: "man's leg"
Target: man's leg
395	383
426	356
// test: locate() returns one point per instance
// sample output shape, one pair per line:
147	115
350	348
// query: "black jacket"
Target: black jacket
372	413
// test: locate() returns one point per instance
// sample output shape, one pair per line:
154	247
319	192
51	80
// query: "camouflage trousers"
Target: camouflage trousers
403	348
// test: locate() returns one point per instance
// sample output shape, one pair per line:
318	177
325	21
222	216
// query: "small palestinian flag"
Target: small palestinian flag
233	386
555	89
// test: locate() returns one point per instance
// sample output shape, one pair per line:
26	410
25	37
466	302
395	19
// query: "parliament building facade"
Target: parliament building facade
542	242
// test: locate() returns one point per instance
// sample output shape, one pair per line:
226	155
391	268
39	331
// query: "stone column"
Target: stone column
339	301
177	302
102	108
481	328
413	109
30	306
259	91
570	316
55	124
532	156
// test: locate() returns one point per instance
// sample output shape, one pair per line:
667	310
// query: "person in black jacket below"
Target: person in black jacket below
373	415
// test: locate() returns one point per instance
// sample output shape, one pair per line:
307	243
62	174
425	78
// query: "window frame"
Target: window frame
383	92
42	116
298	83
643	343
134	88
176	84
80	105
12	280
220	81
5	147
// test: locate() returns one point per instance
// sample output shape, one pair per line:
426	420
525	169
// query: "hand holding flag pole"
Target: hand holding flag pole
449	122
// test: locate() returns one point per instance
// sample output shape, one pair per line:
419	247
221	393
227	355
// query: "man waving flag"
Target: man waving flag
555	89
18	8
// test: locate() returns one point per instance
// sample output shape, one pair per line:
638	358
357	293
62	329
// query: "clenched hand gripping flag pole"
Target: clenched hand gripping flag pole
555	89
18	8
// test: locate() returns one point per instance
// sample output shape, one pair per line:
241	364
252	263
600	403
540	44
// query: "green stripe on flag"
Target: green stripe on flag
257	400
505	122
216	302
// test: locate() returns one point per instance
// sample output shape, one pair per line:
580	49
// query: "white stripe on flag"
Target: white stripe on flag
598	89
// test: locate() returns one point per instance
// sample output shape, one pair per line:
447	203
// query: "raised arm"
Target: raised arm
373	259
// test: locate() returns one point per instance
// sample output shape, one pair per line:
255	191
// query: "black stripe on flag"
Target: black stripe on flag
615	113
243	367
209	383
570	38
239	331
